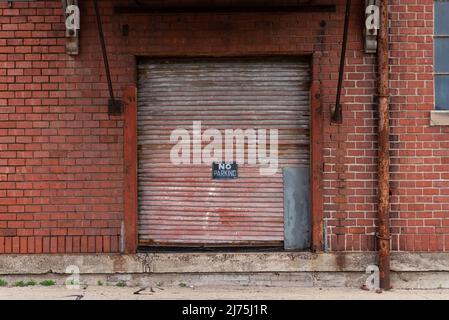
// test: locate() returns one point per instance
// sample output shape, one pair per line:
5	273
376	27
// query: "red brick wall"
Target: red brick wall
419	152
60	154
61	159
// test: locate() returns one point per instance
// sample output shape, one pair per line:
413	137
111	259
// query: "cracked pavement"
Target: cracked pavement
214	293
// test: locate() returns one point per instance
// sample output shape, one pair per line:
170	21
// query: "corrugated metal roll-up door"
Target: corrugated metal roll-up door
181	205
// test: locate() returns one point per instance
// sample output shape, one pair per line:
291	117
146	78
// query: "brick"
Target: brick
2	245
54	113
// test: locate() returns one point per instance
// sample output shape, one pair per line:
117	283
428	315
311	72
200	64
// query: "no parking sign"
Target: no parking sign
224	171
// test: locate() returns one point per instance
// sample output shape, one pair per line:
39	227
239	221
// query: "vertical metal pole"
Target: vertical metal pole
115	106
337	112
103	50
384	150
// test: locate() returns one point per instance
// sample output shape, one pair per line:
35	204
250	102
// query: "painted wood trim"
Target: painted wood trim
316	161
130	169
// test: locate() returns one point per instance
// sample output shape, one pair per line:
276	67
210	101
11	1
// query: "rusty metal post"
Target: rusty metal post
336	112
384	150
115	107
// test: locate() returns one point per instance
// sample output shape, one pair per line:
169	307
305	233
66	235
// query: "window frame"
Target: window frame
436	73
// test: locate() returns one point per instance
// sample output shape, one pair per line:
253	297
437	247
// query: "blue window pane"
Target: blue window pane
442	18
442	92
442	54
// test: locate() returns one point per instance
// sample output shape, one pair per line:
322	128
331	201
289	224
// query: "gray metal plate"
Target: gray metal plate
297	216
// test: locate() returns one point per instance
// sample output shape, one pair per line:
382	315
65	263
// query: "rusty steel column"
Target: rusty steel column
336	115
383	234
115	107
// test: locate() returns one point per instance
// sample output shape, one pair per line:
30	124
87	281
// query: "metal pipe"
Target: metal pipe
103	50
383	235
337	111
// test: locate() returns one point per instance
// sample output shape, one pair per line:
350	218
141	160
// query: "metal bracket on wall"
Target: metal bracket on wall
336	110
71	21
115	106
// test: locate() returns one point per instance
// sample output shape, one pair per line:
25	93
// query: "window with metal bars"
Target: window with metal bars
441	43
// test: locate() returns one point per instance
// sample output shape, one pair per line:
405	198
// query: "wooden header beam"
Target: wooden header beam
164	9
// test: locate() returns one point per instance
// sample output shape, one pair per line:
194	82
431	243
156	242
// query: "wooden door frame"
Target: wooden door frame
130	192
